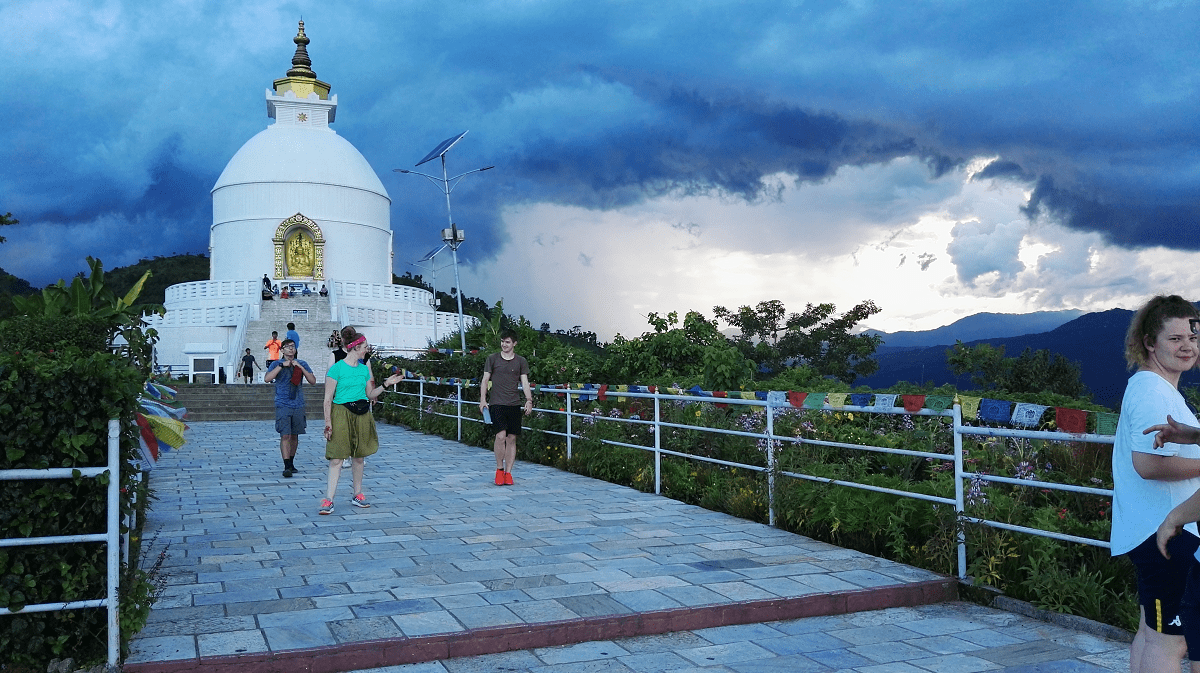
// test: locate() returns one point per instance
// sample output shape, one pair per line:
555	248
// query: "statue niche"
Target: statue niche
299	249
300	254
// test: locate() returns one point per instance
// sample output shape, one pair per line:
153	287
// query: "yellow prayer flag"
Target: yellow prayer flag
970	406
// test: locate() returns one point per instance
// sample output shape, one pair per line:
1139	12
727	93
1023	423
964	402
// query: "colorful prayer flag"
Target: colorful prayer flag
1071	420
996	411
1106	423
913	403
1028	415
970	406
938	402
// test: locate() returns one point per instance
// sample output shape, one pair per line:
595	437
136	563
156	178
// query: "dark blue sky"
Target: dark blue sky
1032	154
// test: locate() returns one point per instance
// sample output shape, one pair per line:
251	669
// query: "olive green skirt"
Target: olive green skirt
354	436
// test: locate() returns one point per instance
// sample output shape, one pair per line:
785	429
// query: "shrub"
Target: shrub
54	412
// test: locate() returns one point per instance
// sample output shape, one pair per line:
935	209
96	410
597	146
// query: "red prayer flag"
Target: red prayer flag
721	393
1070	420
796	399
603	390
148	435
913	403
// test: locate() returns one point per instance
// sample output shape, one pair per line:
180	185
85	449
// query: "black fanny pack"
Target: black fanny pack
358	407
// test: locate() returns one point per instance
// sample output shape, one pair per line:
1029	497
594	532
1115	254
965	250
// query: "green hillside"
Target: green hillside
166	271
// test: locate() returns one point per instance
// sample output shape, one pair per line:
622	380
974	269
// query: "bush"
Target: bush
54	413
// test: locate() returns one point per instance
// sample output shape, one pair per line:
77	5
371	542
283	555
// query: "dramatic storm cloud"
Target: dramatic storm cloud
940	158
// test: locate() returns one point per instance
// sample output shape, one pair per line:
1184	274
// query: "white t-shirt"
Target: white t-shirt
1140	505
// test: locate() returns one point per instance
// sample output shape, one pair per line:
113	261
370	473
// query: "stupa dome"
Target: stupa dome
284	153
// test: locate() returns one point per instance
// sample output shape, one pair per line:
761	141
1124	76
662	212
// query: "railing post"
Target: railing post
568	407
770	465
458	384
657	444
421	402
959	500
114	540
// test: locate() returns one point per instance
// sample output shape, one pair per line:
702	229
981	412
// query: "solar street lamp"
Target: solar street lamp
453	236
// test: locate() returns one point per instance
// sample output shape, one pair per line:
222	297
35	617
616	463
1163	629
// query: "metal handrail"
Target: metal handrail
111	537
771	440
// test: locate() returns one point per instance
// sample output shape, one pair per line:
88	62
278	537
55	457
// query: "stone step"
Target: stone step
314	329
240	402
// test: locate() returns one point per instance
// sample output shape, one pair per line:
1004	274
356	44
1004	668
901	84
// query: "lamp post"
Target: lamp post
453	236
431	257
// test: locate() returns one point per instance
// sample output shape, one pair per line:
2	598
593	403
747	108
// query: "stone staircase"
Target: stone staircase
312	317
241	402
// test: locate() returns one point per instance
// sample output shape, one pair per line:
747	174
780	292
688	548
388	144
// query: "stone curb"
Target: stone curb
1073	622
492	640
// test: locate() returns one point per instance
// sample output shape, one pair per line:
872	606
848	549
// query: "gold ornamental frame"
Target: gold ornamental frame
285	228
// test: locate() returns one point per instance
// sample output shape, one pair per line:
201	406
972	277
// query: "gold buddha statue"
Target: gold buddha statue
299	255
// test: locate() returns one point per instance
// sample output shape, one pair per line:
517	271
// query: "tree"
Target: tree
1030	372
5	219
817	338
91	296
692	351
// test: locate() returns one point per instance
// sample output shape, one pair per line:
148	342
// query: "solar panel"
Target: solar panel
429	255
443	147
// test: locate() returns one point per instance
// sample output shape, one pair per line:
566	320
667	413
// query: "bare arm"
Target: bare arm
272	374
1184	513
483	390
1174	432
327	405
1165	468
528	394
374	391
309	376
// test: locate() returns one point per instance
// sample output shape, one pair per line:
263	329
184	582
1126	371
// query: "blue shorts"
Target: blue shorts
1162	583
506	418
290	421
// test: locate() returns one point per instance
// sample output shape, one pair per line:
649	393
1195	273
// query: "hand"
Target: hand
528	407
1174	432
482	405
1166	531
328	433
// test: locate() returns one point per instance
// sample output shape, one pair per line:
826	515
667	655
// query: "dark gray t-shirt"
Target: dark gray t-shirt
506	379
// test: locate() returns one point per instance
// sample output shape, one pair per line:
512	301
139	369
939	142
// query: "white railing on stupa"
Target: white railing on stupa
220	316
250	290
347	291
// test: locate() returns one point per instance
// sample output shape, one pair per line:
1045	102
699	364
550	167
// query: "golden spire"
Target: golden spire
301	79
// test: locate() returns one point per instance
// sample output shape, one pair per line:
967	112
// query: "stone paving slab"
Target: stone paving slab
447	564
968	638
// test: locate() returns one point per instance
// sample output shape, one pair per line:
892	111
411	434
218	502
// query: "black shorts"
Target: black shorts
506	419
247	372
1162	582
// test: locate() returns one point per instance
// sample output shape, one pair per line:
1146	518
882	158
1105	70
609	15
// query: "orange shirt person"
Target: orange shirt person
272	348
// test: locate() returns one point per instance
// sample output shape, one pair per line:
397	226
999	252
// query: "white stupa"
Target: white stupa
301	206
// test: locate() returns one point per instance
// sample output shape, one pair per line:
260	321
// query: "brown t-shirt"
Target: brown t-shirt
506	379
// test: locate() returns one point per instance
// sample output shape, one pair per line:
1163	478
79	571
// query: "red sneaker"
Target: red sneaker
508	479
499	477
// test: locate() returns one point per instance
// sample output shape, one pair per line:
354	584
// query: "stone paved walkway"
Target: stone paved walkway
551	572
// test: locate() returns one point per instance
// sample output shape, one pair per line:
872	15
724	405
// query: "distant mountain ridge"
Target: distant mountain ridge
1095	340
980	326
